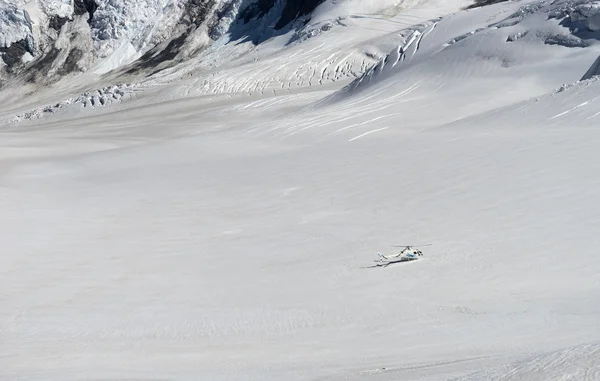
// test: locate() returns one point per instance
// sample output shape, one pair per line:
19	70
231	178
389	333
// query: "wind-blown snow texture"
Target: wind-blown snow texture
197	193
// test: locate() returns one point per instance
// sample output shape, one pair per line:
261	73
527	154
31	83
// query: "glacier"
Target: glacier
195	190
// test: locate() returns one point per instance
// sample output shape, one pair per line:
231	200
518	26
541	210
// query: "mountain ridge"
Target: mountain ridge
45	37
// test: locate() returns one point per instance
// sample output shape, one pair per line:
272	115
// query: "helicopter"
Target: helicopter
408	253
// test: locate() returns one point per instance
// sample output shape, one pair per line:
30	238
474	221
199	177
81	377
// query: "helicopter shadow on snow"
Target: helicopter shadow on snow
386	264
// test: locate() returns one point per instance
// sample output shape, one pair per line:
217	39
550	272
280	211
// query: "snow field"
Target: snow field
224	236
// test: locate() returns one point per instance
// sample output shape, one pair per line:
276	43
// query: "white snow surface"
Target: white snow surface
216	224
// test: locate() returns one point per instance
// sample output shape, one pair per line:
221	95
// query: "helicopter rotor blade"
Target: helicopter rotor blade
427	244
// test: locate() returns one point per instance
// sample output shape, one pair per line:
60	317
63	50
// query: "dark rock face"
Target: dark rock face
156	56
593	70
483	3
81	7
294	9
196	12
12	55
70	64
56	22
258	9
37	72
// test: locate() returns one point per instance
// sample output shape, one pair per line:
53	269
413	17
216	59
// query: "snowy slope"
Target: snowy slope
576	363
217	223
336	47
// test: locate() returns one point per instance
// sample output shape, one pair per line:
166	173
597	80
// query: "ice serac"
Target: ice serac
16	35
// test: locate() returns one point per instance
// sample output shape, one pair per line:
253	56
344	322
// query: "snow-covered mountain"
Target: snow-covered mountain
196	190
56	37
100	51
